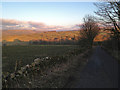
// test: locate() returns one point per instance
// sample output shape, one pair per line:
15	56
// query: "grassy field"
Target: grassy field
26	54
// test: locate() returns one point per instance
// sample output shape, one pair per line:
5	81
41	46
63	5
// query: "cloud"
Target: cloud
10	24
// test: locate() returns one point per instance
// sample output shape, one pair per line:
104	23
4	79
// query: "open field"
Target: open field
58	65
26	54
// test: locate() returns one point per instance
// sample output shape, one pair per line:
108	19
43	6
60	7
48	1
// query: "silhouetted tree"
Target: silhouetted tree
88	30
109	13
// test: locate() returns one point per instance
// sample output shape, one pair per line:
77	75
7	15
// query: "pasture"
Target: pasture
26	54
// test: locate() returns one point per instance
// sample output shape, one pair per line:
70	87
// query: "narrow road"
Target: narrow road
101	71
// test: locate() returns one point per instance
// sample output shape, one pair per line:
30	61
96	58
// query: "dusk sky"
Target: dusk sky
66	14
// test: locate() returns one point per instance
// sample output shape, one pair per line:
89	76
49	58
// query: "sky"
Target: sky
64	15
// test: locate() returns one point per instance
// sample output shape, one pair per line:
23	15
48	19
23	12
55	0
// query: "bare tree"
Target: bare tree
109	13
89	29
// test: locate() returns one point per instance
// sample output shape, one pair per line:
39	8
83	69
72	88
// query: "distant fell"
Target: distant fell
27	35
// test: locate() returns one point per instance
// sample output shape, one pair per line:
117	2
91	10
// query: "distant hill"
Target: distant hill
27	35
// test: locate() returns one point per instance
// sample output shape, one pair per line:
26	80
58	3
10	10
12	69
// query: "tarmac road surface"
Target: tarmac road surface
101	71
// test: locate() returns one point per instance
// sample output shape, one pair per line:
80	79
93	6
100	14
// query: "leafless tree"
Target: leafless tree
109	13
89	29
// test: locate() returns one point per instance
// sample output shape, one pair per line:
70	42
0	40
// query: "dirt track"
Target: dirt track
101	71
